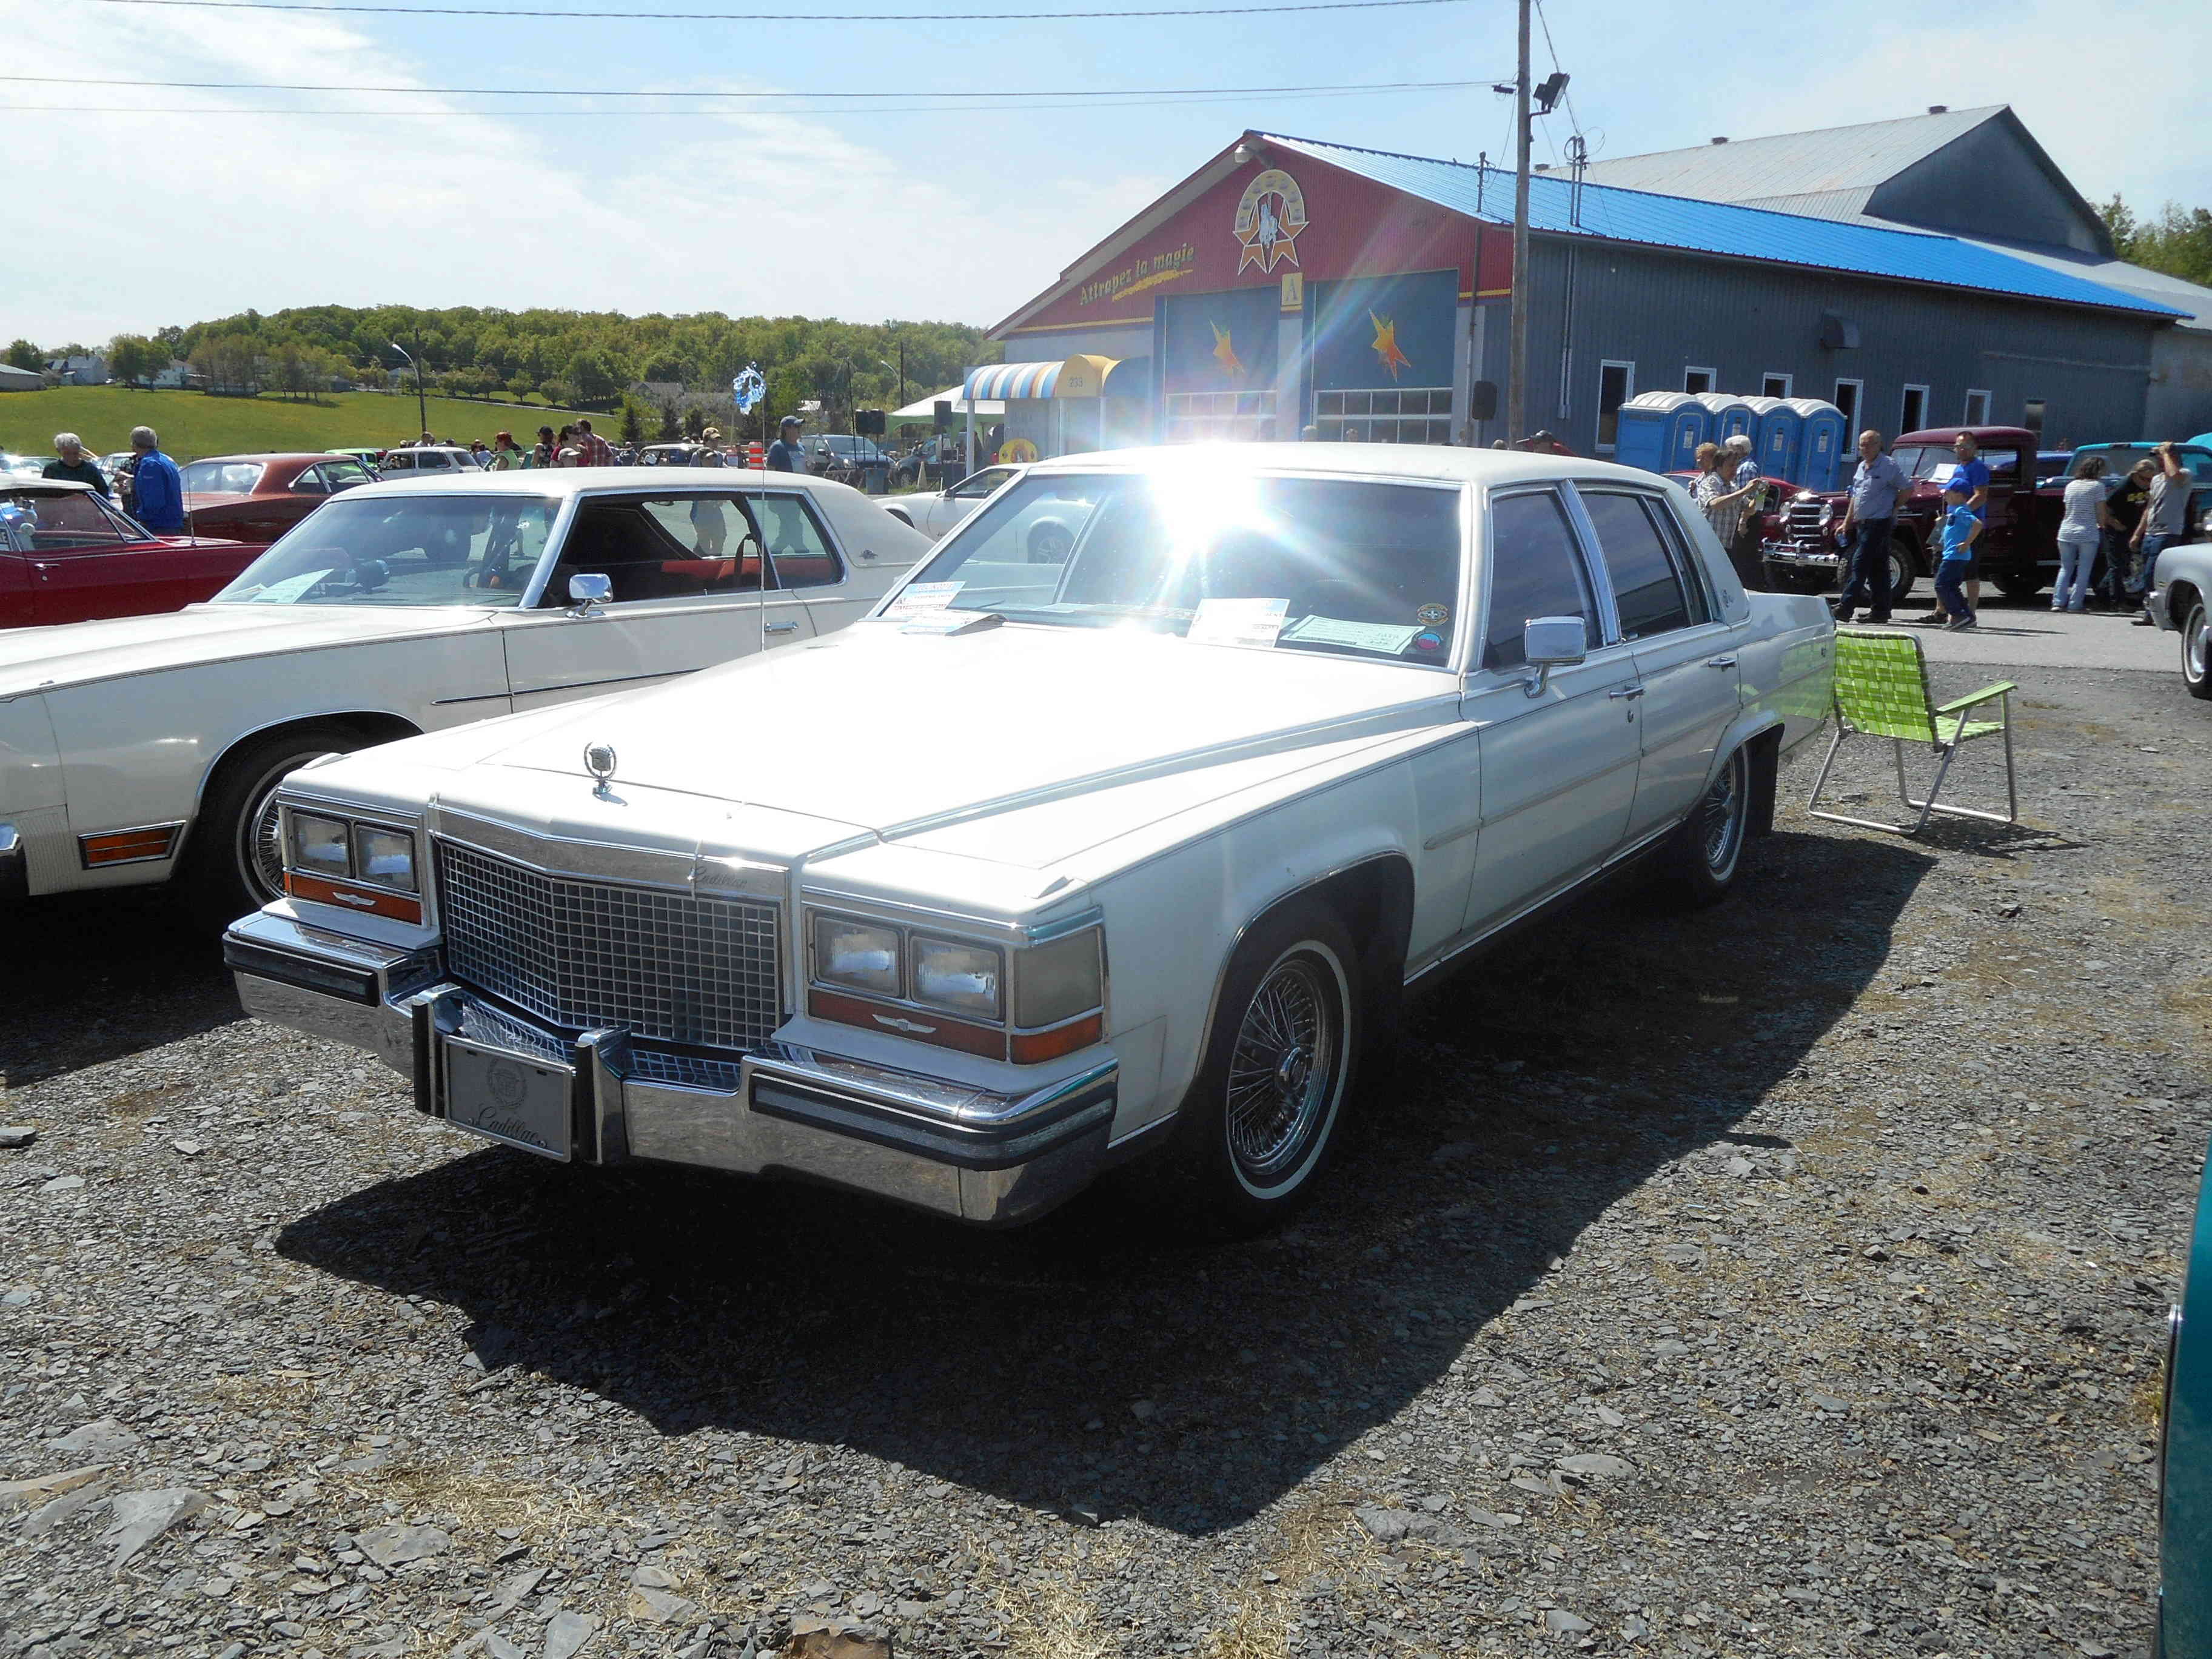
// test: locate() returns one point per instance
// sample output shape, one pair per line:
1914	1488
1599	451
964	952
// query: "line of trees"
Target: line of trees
571	359
2176	240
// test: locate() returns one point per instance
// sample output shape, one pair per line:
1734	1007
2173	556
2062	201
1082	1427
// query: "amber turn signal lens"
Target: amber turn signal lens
1032	1047
126	846
315	890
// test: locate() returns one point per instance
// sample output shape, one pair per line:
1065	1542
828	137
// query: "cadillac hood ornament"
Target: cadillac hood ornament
599	762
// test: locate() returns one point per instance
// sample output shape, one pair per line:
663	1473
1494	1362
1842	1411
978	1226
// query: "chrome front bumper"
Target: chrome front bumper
1805	556
2154	601
782	1110
14	866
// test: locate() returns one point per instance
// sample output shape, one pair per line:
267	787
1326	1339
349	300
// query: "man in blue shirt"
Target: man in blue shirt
161	491
1877	485
1972	474
785	454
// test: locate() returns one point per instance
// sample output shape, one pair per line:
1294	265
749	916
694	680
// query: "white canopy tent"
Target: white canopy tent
989	408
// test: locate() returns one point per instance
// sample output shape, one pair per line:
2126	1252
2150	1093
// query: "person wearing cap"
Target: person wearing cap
785	454
75	465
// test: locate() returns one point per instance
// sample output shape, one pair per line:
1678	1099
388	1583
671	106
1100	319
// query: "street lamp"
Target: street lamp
421	409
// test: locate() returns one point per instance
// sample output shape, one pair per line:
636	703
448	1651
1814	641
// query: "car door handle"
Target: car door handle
1720	662
780	627
1626	691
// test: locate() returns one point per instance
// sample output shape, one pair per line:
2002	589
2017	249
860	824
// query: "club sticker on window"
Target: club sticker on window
1428	641
1433	616
924	595
1251	623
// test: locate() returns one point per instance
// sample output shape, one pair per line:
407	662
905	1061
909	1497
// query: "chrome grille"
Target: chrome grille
1803	521
581	954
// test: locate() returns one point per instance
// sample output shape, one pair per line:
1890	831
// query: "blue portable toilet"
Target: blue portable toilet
1825	443
1775	439
1660	431
1726	415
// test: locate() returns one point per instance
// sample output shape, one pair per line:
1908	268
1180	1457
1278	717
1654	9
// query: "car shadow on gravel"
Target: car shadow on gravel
150	973
1084	1364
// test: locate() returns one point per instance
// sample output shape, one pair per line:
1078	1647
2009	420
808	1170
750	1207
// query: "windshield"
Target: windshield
374	548
221	477
1350	568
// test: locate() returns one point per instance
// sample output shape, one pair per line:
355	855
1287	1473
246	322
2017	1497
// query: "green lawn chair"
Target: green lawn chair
1882	691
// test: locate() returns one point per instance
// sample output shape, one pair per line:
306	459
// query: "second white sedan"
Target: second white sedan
147	748
936	511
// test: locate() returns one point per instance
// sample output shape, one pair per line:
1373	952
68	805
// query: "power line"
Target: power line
1164	93
573	112
757	18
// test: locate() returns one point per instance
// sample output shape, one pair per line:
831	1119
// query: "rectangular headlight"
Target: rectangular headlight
1057	981
857	955
961	979
386	857
319	847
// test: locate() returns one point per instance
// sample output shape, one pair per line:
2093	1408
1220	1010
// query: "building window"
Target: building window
2032	416
1848	393
1616	385
1699	379
1221	416
1912	413
1977	409
1774	385
1384	415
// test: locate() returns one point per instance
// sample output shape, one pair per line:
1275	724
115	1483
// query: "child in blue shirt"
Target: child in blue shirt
1961	527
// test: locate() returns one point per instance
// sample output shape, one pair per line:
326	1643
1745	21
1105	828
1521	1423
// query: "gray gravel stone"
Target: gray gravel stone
135	1519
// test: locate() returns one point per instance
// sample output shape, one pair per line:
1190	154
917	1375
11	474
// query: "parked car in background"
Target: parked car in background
23	467
426	461
259	497
1278	732
935	512
671	455
2053	466
150	748
2195	455
368	456
68	553
2185	1485
2182	601
855	461
2019	546
111	463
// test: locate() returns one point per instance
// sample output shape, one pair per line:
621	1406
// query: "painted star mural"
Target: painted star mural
1386	344
1225	351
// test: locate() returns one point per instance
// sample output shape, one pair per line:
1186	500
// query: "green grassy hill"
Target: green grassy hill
192	424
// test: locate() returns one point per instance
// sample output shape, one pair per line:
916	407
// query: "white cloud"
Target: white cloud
180	217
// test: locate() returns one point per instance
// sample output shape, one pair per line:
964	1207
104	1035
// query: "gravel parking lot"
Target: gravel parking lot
1786	1279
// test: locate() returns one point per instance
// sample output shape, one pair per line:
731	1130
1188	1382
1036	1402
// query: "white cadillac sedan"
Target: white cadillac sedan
147	748
1129	850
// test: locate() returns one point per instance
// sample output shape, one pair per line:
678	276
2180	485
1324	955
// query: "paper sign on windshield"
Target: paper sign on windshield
1390	638
1250	622
924	595
291	588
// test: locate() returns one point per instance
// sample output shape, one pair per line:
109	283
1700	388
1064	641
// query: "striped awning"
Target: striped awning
1013	380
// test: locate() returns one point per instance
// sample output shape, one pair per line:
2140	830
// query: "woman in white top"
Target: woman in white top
2080	533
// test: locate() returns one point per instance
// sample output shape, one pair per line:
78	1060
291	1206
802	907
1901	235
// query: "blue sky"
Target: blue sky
132	221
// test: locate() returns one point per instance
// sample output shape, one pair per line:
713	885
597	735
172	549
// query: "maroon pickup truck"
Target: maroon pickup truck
2019	548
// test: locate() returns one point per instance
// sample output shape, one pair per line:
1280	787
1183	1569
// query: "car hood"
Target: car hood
901	734
46	658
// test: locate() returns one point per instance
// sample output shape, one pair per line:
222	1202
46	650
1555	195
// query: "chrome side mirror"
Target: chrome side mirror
589	589
1549	642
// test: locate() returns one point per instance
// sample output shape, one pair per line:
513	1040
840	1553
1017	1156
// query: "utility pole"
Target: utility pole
1516	402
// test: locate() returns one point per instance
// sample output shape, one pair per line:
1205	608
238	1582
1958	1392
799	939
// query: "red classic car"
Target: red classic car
67	554
259	498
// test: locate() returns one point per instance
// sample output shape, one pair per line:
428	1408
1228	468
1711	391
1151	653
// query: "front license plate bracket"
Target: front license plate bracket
519	1100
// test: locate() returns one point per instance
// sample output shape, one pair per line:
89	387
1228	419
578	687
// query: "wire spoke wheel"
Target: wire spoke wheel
261	851
1287	1067
1720	818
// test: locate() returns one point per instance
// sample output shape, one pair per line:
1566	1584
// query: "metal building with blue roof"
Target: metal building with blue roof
1295	287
